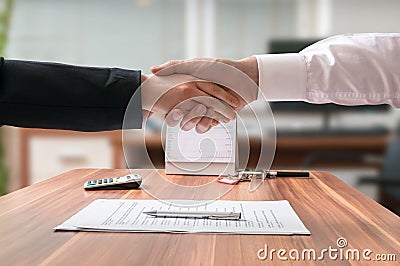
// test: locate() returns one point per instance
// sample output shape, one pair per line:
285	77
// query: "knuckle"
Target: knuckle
215	89
187	91
186	88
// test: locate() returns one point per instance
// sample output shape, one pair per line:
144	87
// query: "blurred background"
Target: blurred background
358	144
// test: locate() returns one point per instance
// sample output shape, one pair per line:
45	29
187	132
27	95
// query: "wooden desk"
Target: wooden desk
329	208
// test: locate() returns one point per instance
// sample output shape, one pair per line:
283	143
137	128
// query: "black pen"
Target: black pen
272	174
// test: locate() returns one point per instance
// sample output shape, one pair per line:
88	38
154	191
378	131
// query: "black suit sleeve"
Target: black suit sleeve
58	96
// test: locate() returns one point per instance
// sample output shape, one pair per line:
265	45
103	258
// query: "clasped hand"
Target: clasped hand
200	93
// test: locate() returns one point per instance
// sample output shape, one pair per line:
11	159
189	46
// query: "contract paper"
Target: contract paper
258	217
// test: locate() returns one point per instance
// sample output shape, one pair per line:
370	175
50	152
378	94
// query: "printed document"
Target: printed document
215	145
115	215
211	153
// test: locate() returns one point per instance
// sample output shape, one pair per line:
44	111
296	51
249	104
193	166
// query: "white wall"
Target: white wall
365	16
123	33
140	33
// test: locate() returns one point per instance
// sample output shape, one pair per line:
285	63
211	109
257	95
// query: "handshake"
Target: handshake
200	93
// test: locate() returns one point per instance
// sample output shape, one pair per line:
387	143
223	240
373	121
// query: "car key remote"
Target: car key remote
130	181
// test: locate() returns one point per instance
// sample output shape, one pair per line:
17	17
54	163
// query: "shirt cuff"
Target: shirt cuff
282	77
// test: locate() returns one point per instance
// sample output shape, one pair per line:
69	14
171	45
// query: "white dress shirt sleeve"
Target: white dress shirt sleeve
351	69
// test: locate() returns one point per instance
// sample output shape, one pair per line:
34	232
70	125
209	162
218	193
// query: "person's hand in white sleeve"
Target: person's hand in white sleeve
239	78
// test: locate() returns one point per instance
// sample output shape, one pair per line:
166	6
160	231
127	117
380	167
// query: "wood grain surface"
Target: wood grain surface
329	208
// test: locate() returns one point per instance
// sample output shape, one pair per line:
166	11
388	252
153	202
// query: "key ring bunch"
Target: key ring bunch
248	175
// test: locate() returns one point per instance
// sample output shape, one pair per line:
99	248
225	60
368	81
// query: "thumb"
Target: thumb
174	117
166	68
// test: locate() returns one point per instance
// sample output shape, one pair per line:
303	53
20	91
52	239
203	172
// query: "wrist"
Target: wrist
249	66
146	94
143	78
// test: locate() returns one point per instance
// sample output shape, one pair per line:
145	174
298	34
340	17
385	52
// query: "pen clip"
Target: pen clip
231	216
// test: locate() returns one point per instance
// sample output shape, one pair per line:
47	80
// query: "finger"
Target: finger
174	117
183	67
218	118
205	123
167	67
190	120
214	123
218	106
220	93
187	106
146	114
242	102
226	112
